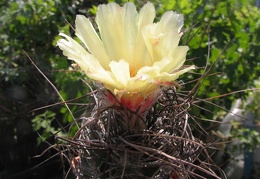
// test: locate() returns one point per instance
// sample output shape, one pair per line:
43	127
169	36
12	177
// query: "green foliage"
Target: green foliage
249	138
33	26
253	104
247	131
43	124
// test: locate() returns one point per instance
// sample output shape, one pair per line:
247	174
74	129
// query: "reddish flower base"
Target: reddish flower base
137	106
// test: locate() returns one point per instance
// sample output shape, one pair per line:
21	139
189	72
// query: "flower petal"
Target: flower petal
178	58
161	38
146	17
155	74
169	77
130	16
137	85
109	21
87	34
87	62
72	49
173	61
118	29
121	72
171	20
166	44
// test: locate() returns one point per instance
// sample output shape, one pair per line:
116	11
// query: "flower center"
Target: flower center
133	70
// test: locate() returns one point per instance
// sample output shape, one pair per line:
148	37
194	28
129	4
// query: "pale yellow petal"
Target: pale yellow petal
87	62
110	24
163	64
169	27
130	16
169	77
171	20
155	74
72	49
121	72
179	57
150	39
146	17
118	29
104	77
161	38
174	60
145	73
87	34
167	43
138	85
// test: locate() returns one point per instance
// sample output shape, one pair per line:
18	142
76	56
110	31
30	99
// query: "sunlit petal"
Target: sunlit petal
121	72
87	62
146	17
86	33
171	20
130	16
110	24
74	51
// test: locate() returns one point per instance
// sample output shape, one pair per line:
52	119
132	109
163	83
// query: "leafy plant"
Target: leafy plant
43	124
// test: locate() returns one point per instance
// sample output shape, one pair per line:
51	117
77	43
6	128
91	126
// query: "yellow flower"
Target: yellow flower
130	55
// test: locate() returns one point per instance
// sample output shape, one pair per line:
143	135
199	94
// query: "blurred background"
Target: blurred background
228	31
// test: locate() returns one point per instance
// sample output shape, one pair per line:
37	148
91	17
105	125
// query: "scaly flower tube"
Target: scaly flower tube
132	56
